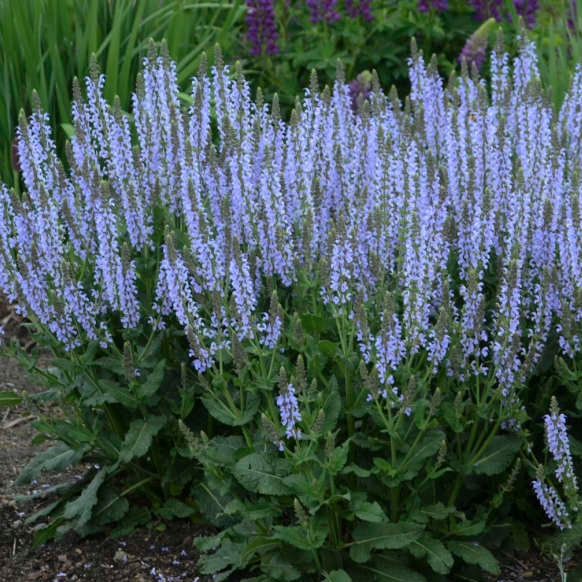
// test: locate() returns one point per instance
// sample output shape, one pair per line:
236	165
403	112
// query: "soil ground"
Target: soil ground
146	555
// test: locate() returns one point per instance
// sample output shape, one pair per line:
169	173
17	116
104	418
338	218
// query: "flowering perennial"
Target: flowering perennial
398	214
527	9
262	31
559	445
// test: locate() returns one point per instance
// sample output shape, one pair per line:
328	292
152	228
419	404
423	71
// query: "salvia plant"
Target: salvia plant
317	335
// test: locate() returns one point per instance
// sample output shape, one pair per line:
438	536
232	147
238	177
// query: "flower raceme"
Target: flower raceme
190	215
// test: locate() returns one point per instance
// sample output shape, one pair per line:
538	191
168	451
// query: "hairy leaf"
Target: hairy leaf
474	553
262	474
382	536
139	437
498	456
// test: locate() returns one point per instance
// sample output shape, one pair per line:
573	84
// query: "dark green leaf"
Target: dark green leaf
498	456
437	555
259	545
356	470
262	474
56	458
136	517
314	324
438	511
227	555
153	381
474	553
330	402
308	537
175	508
139	437
368	511
111	509
328	349
338	576
221	450
382	536
224	413
426	448
82	507
114	365
107	392
338	458
277	568
9	399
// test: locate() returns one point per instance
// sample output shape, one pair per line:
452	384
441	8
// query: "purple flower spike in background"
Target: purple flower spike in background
475	48
262	32
361	85
323	10
362	8
494	8
438	5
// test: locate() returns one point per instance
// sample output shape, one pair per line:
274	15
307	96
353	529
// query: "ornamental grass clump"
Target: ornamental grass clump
318	335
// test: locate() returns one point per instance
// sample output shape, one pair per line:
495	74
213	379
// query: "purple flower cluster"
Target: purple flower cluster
559	447
262	31
551	503
326	10
427	5
289	411
373	208
485	9
362	8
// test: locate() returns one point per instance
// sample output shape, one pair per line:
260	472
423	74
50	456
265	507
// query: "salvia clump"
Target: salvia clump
398	271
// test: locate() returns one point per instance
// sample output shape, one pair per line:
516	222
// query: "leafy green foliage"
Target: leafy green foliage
9	398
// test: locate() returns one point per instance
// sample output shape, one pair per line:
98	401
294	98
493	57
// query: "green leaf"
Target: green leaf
226	555
56	458
111	364
259	545
474	553
136	517
328	349
356	470
82	507
112	507
139	437
221	451
438	511
175	508
369	511
314	324
387	570
68	129
338	458
297	536
330	402
9	399
338	576
308	537
277	568
469	528
262	474
107	392
46	532
153	380
382	536
498	456
437	555
428	447
223	413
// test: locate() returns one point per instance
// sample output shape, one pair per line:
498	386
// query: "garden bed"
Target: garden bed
146	554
